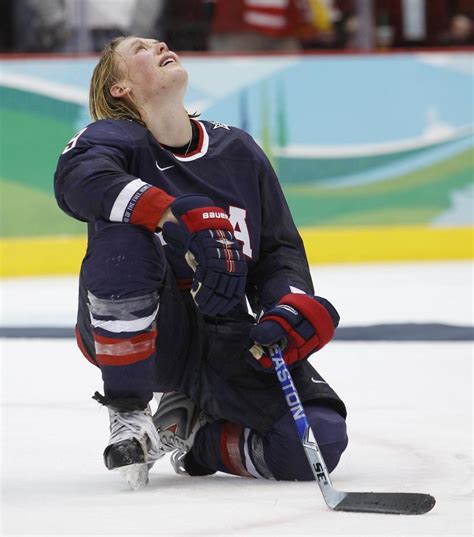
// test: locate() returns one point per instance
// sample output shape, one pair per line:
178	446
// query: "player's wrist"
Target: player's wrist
167	216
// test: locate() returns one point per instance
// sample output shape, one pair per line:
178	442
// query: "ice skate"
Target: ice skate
177	421
134	445
177	462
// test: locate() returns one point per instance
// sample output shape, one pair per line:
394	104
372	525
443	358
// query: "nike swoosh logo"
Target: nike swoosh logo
163	169
318	381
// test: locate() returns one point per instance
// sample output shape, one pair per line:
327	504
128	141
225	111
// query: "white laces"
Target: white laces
136	424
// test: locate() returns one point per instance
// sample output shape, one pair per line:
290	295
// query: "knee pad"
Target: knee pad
330	430
284	453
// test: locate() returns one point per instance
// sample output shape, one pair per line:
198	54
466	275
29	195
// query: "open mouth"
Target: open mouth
167	61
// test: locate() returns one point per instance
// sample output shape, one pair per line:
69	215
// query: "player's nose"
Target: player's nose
161	47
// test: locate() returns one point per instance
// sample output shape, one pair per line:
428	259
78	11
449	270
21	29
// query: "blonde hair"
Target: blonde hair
107	72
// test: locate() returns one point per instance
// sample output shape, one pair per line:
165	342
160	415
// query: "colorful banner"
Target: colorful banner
359	142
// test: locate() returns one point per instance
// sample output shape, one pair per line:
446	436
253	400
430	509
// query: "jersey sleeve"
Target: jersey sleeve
282	265
92	180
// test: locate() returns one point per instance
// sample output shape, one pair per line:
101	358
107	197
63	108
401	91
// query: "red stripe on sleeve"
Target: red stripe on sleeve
150	208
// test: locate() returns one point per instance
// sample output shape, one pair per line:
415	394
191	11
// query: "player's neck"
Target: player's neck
170	126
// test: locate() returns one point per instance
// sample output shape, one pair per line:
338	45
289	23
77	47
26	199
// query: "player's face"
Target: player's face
151	68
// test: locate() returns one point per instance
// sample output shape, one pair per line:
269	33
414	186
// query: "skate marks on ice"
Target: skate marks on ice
410	410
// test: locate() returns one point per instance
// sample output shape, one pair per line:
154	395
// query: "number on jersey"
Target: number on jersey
237	217
73	141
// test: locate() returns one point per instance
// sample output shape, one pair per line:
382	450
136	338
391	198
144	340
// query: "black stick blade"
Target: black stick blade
395	503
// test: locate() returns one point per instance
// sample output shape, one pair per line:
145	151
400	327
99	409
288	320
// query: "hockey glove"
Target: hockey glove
205	237
300	323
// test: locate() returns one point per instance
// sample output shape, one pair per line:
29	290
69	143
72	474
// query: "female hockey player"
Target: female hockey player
190	240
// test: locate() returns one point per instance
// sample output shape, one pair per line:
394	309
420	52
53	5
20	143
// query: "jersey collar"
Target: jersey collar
202	145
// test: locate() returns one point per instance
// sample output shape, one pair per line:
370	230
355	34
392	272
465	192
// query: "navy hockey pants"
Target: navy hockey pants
146	335
278	454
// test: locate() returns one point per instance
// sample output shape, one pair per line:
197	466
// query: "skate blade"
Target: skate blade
136	475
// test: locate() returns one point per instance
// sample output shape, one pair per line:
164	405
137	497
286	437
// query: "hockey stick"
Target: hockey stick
398	503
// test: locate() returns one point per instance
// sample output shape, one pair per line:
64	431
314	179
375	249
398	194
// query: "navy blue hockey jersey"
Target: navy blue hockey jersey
115	170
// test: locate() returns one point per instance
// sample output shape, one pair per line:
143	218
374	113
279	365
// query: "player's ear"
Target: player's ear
119	91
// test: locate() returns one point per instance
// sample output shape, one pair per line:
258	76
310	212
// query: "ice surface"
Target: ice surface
364	294
410	429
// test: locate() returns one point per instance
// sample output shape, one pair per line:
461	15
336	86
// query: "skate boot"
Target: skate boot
177	421
134	445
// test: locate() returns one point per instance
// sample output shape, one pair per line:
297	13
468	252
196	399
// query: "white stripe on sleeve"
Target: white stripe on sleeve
123	199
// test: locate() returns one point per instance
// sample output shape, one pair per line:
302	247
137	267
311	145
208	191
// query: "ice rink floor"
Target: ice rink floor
409	424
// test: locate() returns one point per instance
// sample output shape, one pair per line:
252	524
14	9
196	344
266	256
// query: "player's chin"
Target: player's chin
179	68
175	70
179	74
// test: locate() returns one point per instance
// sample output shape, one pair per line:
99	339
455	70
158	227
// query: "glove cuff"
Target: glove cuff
198	213
315	313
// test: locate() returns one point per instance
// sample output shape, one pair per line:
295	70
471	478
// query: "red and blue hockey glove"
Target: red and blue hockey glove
300	323
205	237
